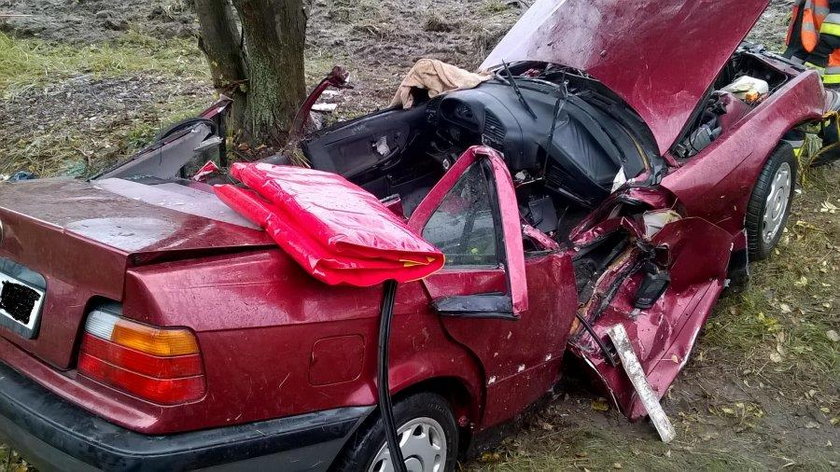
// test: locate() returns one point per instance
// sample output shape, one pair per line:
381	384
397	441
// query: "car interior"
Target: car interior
564	138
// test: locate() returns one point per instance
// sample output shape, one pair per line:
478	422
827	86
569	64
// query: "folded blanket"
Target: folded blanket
437	77
337	231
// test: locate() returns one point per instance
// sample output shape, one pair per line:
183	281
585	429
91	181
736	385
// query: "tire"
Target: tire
769	206
422	411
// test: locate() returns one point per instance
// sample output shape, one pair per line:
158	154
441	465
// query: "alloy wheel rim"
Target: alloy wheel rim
423	444
777	203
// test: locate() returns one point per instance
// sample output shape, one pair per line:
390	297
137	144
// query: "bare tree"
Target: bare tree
255	49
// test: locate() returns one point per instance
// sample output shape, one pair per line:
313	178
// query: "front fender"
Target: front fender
717	183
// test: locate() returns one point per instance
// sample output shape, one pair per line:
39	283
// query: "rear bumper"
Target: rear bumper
56	435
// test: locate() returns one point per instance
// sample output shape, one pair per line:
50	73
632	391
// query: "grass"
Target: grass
780	324
30	62
107	100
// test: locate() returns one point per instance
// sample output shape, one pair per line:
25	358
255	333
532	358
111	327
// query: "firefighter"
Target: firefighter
814	37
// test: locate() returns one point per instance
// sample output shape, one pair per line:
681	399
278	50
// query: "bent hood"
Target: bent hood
660	56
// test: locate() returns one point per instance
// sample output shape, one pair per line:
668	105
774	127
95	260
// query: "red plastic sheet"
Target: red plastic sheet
336	231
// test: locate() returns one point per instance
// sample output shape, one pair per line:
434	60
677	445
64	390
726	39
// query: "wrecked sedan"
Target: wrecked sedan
618	181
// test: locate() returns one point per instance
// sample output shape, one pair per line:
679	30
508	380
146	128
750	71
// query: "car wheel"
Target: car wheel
427	434
769	206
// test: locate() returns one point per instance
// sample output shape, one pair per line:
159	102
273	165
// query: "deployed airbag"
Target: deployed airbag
335	230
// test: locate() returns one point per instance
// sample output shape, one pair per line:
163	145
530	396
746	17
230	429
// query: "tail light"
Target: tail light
160	365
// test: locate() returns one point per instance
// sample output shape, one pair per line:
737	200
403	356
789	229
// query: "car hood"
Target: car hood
660	56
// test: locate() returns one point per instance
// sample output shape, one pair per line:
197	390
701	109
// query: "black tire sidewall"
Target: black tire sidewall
360	451
758	248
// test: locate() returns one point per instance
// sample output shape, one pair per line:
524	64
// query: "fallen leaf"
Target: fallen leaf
600	405
775	357
785	308
833	336
616	465
812	425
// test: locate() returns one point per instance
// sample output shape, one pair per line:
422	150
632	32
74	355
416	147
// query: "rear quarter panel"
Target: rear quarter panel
266	330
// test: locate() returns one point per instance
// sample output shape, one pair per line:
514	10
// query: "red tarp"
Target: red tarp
336	231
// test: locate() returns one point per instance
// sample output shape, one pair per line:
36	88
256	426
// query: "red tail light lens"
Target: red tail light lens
159	365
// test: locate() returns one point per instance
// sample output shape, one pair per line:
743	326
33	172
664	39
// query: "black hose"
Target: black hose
384	400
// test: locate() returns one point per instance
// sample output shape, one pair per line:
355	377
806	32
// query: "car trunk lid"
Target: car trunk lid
660	56
79	238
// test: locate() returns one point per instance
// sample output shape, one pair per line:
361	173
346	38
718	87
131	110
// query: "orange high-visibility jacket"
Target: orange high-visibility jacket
814	36
813	14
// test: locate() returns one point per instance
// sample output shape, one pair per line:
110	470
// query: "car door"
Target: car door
512	312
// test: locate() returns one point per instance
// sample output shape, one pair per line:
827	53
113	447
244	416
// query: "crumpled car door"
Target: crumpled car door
691	255
511	310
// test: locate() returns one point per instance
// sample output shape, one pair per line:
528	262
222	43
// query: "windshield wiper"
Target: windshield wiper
558	107
510	81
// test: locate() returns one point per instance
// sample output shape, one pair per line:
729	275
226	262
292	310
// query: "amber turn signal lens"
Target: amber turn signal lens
157	342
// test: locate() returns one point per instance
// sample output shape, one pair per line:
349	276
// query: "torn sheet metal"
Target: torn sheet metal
663	335
637	377
656	220
338	232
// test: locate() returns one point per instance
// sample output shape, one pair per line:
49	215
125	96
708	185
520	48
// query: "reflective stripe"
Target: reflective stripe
830	28
831	79
809	27
815	67
832	70
833	18
821	9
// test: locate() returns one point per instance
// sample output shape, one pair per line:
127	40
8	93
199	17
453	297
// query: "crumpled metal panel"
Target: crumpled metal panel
338	232
660	56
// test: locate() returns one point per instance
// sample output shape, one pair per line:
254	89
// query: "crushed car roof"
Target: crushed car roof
660	56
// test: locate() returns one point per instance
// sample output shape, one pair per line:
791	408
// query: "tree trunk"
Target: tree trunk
220	41
265	71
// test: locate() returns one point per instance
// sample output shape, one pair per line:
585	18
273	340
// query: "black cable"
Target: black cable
384	400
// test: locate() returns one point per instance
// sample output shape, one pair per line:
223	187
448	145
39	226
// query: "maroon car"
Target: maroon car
620	183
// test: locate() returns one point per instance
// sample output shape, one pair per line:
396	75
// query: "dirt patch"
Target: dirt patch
80	125
87	21
378	41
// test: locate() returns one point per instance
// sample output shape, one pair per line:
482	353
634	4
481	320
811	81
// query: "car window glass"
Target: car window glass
463	226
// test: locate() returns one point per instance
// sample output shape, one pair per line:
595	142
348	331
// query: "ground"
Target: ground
85	82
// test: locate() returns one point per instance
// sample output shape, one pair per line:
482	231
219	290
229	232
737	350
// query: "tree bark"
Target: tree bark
265	72
220	42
